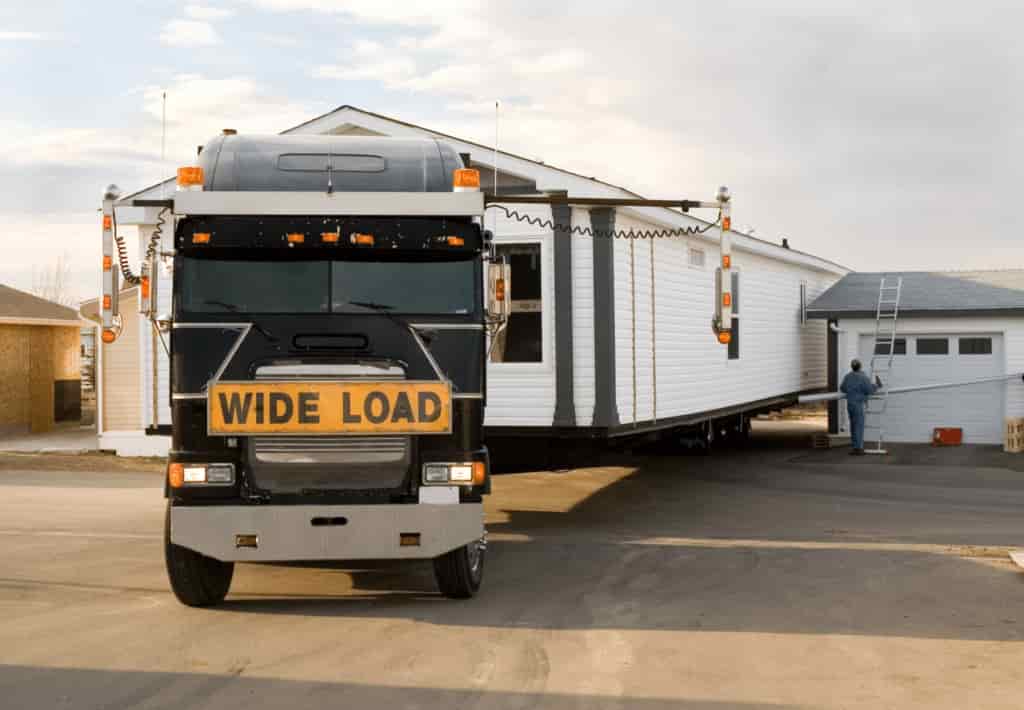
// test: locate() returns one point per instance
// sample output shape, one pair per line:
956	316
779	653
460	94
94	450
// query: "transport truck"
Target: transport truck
336	305
326	347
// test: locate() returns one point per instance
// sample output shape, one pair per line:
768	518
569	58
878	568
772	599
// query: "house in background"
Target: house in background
953	326
40	381
117	375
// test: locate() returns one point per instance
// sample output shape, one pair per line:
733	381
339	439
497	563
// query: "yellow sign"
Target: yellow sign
329	408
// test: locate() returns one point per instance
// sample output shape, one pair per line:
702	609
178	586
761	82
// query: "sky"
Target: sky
882	136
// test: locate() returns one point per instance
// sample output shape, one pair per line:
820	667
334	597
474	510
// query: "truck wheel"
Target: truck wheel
196	580
459	572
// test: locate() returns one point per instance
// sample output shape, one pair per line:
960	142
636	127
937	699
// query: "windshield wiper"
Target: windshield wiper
235	309
372	305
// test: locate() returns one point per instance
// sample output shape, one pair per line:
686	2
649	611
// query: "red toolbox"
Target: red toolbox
947	436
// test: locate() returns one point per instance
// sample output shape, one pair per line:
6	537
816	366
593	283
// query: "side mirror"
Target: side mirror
499	283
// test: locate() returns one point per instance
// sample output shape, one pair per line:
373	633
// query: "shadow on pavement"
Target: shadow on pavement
38	687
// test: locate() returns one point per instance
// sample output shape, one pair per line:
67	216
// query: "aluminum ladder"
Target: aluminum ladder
886	317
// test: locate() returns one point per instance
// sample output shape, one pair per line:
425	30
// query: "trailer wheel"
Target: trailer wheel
459	572
196	580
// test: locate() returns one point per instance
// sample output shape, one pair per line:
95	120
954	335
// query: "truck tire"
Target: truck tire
459	572
196	580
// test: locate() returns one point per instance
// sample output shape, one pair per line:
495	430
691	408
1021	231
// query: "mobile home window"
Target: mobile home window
933	346
975	346
697	258
523	337
899	347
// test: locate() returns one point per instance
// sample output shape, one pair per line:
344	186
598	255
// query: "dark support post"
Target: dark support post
833	375
606	413
565	401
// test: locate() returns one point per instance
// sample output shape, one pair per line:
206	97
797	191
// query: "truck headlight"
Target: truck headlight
200	474
466	474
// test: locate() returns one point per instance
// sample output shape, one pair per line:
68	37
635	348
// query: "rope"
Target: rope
151	249
549	224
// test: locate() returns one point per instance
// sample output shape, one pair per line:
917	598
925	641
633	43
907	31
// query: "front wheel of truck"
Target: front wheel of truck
196	580
459	572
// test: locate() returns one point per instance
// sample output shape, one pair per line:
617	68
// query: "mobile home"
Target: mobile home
608	336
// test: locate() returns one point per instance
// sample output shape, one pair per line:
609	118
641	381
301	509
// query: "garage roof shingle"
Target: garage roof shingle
926	293
18	305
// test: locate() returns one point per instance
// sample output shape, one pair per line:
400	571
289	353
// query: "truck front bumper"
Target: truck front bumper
277	533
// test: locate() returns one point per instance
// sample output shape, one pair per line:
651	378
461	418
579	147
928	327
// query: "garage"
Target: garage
952	327
928	358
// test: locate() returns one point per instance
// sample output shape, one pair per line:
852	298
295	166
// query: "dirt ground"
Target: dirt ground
770	577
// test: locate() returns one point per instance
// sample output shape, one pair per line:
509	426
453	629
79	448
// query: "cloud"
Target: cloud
198	107
16	36
189	33
388	12
204	12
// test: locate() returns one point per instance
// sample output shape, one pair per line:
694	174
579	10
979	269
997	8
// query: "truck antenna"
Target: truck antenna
494	226
163	140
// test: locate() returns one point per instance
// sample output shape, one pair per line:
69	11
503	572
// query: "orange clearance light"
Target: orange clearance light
108	336
176	475
107	221
363	240
330	237
295	238
726	223
107	263
144	286
466	179
479	473
106	303
724	337
499	290
726	261
201	238
456	241
191	176
726	299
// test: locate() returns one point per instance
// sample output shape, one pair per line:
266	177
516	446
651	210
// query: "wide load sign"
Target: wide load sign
247	408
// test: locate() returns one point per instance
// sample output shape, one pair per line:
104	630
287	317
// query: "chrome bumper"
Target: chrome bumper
269	533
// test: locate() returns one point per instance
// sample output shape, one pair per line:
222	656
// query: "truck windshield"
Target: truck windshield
251	286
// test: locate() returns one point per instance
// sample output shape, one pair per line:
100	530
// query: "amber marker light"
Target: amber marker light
107	263
295	238
725	337
190	177
330	237
456	241
362	240
726	261
479	473
466	179
201	238
108	336
176	475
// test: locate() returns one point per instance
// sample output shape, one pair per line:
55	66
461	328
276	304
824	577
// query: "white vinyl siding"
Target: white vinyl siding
523	393
122	385
583	322
778	354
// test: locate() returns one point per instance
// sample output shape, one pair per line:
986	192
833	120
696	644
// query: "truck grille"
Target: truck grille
293	463
331	449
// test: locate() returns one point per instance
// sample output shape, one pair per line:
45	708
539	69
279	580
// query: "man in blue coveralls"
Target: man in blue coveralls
857	388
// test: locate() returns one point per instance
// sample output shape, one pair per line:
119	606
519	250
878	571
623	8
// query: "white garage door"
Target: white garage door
926	359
